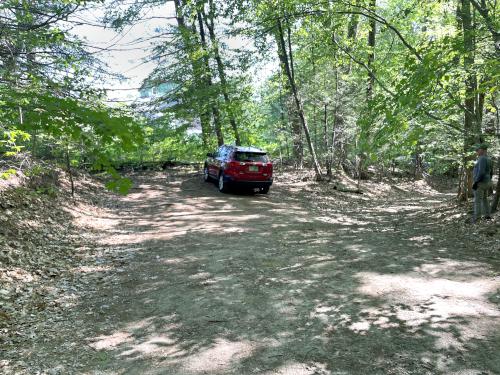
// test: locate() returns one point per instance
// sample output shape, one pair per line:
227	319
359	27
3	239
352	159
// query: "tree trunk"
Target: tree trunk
298	102
483	10
326	143
208	80
371	52
352	27
70	172
496	197
472	129
284	126
297	143
217	127
186	35
337	120
361	160
494	203
221	70
418	170
352	31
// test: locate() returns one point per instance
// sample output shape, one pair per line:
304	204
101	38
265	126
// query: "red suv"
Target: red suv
237	166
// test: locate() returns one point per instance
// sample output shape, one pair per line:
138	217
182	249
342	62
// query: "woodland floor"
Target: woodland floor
177	278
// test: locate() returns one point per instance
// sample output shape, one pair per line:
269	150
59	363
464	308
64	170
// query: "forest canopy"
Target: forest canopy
332	85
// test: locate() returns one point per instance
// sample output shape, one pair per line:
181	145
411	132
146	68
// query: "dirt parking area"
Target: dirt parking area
301	281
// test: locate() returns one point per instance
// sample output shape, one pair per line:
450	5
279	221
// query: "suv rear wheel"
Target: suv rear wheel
264	190
221	184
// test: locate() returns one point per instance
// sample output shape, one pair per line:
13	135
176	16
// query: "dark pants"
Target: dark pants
481	205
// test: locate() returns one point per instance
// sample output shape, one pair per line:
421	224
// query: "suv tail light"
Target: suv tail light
232	167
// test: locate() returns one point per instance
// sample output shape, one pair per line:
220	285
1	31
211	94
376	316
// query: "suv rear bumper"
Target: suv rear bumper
230	181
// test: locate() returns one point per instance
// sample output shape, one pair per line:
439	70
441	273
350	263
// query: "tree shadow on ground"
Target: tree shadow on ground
242	284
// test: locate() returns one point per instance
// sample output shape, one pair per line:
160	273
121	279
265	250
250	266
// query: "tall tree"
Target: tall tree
189	44
287	61
45	87
209	21
208	79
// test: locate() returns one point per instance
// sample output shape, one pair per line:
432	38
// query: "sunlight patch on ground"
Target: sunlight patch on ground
200	276
439	305
360	327
293	281
443	297
17	274
453	269
139	325
398	209
91	269
421	239
171	231
289	209
466	372
219	358
323	313
30	223
183	260
292	267
292	368
111	341
285	308
96	222
155	346
358	248
342	220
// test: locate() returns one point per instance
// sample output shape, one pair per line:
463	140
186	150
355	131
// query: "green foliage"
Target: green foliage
119	184
5	175
35	171
11	142
49	191
47	105
424	74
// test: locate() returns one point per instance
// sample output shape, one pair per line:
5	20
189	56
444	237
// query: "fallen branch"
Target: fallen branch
345	190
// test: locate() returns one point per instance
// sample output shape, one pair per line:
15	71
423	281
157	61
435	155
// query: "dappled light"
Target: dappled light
218	358
240	187
222	275
422	302
191	282
110	341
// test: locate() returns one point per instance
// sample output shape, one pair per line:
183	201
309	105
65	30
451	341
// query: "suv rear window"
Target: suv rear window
250	156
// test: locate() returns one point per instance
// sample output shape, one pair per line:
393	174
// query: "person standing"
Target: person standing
482	173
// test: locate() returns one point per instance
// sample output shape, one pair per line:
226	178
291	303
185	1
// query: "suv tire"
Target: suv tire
221	185
206	176
264	190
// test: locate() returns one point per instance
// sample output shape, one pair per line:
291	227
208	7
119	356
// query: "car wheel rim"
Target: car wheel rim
221	183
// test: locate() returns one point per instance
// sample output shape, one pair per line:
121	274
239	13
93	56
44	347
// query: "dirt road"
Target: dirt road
289	283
